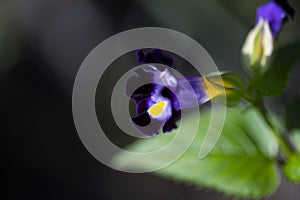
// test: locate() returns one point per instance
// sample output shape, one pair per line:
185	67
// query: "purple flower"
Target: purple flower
159	103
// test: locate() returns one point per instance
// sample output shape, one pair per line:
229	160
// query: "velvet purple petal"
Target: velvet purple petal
171	123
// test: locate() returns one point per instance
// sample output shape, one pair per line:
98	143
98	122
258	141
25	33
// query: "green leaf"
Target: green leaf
292	169
293	115
241	164
275	80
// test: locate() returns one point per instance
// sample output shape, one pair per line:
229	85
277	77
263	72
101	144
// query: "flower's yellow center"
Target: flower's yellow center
157	109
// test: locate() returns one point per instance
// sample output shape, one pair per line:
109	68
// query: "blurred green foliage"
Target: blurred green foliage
292	115
241	163
275	80
292	169
295	136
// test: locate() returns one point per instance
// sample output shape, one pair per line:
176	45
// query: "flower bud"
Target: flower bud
258	46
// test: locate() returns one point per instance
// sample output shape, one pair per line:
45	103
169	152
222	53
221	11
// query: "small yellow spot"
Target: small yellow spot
157	109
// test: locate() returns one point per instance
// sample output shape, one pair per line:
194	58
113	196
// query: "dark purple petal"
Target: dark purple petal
274	14
167	93
155	56
171	123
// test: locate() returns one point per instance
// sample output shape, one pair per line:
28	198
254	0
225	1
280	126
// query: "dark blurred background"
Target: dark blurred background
42	45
